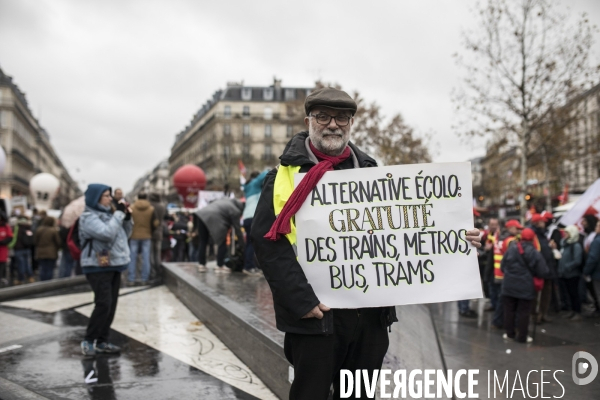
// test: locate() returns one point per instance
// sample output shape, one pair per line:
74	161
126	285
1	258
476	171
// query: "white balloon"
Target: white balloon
2	160
43	188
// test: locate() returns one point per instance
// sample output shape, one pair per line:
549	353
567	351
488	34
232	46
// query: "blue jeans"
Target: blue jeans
66	264
23	258
134	247
193	252
463	306
495	289
47	266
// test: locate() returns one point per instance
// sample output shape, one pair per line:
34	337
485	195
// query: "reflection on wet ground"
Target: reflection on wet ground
50	362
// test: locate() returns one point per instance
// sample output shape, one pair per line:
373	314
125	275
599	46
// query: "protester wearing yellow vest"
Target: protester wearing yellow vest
318	341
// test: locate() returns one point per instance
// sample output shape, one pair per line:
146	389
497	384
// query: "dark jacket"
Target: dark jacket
592	264
293	296
546	252
219	216
519	270
159	213
47	240
570	264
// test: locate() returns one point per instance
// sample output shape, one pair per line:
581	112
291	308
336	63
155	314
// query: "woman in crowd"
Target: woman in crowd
520	264
252	190
569	269
104	255
6	236
47	243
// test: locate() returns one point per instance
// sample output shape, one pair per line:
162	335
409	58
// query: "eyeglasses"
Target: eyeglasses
106	195
325	119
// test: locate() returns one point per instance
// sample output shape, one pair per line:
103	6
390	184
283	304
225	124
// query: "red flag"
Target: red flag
564	197
242	168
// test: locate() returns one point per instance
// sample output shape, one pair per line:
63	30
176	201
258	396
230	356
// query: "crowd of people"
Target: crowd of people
30	248
534	270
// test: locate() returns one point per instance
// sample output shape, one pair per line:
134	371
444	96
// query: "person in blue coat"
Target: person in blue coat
104	255
252	190
591	270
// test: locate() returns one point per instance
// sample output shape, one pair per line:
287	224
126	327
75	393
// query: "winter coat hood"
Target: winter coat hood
93	194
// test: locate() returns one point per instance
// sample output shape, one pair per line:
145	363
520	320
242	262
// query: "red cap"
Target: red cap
513	223
528	234
535	218
547	215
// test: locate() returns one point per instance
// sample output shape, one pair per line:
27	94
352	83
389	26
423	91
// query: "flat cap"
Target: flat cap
330	97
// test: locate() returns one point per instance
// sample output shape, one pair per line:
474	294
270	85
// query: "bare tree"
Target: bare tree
524	62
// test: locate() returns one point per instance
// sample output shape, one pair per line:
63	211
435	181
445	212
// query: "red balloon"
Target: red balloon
189	180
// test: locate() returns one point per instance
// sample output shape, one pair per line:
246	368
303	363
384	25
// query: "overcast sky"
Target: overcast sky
114	81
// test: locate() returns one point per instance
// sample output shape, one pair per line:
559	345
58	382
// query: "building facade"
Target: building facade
582	166
251	124
28	148
156	181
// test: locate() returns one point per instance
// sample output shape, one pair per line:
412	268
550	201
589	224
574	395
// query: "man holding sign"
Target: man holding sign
320	341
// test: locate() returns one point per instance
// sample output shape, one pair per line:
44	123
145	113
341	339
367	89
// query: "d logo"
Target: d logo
581	368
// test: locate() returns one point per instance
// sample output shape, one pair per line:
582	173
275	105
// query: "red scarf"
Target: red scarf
282	226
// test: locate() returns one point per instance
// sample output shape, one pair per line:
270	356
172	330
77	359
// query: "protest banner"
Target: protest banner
375	237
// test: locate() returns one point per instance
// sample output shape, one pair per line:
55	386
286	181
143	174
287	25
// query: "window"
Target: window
246	93
226	151
290	94
226	129
246	149
268	131
268	94
227	111
246	130
290	131
267	151
268	113
246	111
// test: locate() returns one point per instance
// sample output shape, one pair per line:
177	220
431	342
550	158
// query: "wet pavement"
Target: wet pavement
39	351
169	354
475	344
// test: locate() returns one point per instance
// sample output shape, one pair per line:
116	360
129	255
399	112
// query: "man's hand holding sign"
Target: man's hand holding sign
341	242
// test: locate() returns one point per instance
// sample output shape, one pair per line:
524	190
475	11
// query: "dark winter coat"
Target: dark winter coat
592	264
293	296
519	270
159	212
570	264
547	253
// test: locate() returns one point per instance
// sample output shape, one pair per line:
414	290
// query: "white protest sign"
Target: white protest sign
375	237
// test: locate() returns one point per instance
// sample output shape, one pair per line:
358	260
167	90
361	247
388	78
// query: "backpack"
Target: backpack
74	243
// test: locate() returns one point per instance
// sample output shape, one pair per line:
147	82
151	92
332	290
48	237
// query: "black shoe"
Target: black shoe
107	348
469	314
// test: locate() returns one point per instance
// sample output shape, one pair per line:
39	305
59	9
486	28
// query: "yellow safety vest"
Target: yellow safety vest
282	190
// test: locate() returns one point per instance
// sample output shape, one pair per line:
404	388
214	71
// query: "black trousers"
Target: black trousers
360	341
572	285
516	315
203	241
106	294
